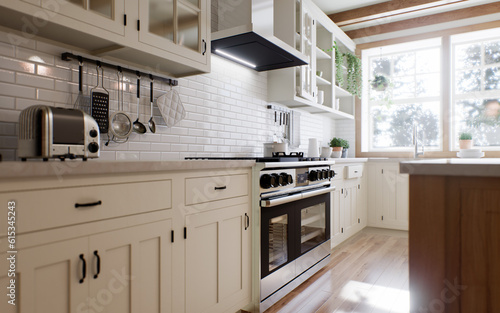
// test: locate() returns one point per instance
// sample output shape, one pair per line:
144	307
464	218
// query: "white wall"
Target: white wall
226	109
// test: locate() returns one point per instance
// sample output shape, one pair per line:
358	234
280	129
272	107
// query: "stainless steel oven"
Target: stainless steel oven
295	228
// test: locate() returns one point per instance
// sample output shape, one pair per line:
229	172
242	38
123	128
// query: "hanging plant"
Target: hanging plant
339	61
379	83
353	74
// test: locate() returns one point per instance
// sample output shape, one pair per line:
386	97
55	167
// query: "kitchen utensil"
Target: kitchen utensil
138	126
120	122
294	141
280	147
151	123
82	101
313	150
100	103
171	107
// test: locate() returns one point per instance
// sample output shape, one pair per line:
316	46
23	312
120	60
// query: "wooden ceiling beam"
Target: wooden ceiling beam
426	20
385	9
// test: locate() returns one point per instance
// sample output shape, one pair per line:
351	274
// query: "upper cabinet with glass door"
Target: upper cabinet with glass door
178	26
170	36
106	14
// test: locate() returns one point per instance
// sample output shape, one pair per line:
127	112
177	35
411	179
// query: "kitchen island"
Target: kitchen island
454	235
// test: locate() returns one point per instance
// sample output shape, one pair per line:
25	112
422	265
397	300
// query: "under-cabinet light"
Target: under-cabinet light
235	58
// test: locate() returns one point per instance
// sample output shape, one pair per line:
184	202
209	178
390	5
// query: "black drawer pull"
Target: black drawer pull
84	269
82	205
220	188
96	253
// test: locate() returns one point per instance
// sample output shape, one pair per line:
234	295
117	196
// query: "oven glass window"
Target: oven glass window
312	227
278	241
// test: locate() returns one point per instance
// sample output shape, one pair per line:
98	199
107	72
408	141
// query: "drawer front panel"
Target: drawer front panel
206	189
49	208
354	171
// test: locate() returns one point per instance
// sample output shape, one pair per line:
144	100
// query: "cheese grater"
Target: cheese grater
100	103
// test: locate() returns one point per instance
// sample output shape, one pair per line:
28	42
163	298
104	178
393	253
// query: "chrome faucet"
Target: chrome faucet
415	142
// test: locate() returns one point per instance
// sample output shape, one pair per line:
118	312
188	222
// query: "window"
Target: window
476	87
403	88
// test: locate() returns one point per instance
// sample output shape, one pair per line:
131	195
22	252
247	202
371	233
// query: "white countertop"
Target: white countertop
487	167
18	169
349	160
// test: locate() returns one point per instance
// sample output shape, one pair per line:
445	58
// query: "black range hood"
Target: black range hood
255	51
245	32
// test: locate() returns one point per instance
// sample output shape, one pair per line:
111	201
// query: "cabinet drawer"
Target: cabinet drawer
354	171
206	189
49	208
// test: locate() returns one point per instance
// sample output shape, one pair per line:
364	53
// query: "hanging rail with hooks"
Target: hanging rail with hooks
67	56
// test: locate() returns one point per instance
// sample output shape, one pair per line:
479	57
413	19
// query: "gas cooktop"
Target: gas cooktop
277	157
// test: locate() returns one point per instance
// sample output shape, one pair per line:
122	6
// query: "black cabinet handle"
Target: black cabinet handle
247	221
82	205
96	253
84	268
204	47
220	188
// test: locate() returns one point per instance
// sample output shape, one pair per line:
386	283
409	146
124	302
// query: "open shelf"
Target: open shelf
322	81
315	108
322	55
340	92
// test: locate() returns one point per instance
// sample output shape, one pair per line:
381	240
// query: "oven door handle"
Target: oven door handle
277	201
309	194
267	203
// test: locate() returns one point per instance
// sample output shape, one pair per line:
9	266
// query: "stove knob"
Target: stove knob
287	179
265	181
276	180
332	174
93	147
313	175
325	174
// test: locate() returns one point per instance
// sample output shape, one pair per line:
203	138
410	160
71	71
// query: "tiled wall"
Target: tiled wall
226	109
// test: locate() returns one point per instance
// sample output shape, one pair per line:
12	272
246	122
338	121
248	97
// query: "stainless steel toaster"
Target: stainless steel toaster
48	132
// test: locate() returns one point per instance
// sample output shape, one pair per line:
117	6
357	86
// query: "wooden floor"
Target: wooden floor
367	274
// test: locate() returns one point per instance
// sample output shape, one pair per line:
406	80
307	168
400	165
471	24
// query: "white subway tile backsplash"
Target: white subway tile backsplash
14	90
7	76
226	109
35	81
16	65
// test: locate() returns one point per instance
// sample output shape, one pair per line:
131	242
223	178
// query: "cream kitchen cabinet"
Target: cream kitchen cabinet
170	37
388	196
348	203
217	242
218	260
314	34
126	270
177	241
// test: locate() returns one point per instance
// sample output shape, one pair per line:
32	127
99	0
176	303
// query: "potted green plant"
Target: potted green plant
379	83
465	140
345	146
336	144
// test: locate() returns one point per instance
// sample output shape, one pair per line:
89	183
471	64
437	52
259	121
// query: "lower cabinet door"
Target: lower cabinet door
130	269
51	278
218	252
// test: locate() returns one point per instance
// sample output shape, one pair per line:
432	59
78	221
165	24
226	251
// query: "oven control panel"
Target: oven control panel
314	175
277	179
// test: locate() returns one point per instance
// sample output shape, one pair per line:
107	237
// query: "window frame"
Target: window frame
446	93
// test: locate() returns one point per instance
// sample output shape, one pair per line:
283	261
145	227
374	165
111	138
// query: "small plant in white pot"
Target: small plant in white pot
336	144
465	140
